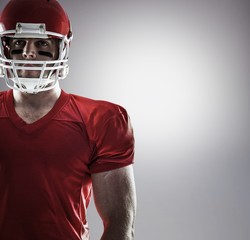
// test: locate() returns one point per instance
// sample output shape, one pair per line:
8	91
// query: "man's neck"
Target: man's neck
32	107
37	101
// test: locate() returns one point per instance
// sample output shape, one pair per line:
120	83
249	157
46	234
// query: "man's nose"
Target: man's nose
29	51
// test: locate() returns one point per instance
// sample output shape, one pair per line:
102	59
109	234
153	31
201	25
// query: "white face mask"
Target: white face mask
50	72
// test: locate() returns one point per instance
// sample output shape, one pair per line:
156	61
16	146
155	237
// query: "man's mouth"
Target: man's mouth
28	65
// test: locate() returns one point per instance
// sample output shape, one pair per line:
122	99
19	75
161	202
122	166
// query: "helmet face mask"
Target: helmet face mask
49	71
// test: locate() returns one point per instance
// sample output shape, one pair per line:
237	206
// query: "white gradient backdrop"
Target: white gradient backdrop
181	69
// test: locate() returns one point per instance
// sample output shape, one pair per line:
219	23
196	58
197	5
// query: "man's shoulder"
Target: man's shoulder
96	110
90	104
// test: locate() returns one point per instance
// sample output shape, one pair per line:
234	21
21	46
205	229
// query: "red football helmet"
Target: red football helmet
34	19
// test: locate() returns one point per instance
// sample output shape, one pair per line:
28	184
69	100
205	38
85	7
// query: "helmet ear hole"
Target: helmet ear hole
70	35
6	46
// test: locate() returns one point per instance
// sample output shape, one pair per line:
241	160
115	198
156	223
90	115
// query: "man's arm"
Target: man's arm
115	200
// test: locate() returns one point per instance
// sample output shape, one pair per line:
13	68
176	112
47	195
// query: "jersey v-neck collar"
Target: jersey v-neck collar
29	128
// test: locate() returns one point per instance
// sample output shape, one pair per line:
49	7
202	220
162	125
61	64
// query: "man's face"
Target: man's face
33	49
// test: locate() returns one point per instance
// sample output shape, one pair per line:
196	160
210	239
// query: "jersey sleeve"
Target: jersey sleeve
113	139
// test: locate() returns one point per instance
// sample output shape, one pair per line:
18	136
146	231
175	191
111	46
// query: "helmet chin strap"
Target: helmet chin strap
30	86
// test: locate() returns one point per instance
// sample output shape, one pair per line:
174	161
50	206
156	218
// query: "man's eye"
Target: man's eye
42	43
19	43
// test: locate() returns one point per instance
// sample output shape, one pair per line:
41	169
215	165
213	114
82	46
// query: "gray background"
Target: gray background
181	68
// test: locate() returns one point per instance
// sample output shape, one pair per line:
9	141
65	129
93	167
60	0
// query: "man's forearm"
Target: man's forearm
118	231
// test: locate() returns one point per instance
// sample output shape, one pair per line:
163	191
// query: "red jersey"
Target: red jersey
46	166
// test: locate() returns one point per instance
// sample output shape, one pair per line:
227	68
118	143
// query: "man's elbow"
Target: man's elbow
119	226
